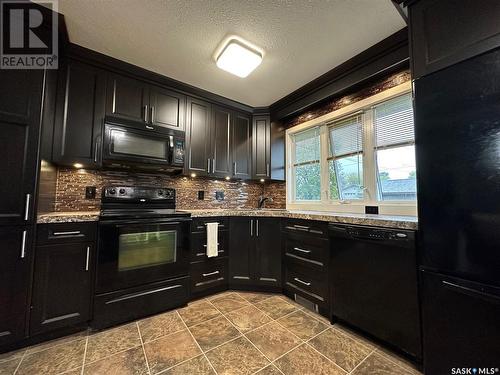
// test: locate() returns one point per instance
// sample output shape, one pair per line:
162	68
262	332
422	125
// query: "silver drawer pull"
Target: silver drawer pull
302	250
302	282
217	245
87	259
23	244
301	227
220	251
70	233
210	273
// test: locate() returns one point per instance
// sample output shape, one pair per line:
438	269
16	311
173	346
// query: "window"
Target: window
306	165
360	155
345	160
395	150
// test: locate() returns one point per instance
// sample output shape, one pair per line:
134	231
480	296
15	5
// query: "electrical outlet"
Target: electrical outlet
90	192
201	195
219	195
371	210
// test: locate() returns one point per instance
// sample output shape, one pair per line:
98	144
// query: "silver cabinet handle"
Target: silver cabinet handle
149	127
88	258
213	165
70	233
27	207
208	166
251	228
210	273
267	170
234	168
302	282
206	245
95	150
23	244
302	250
257	227
146	113
152	119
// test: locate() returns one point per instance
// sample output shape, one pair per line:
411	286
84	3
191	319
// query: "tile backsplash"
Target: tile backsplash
71	183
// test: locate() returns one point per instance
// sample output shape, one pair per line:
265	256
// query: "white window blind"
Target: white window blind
306	165
393	122
345	162
346	137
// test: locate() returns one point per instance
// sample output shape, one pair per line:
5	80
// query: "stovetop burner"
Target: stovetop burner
125	202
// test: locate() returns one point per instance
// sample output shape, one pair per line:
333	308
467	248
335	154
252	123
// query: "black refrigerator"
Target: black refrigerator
457	121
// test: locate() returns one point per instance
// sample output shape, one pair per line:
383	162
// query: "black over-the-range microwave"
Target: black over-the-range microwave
137	146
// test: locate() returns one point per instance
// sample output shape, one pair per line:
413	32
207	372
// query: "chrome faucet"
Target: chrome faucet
263	200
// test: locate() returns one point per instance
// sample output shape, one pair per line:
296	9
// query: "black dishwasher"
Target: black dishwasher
374	283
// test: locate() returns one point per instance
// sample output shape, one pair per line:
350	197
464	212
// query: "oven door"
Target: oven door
137	252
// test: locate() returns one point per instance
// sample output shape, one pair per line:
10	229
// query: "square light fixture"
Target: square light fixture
238	57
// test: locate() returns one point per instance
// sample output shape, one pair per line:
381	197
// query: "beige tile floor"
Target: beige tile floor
228	333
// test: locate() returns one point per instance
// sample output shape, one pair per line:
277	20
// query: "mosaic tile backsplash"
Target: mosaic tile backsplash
71	183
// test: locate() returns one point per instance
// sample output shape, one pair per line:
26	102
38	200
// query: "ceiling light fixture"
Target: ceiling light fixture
237	56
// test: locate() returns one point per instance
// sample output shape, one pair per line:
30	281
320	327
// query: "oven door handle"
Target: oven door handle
122	223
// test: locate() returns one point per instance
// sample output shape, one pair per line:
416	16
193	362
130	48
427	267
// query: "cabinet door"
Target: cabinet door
198	137
127	98
444	33
62	286
79	115
20	102
261	138
268	252
14	282
242	146
167	108
241	250
220	142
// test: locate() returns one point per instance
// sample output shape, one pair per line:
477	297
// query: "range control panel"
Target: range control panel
123	193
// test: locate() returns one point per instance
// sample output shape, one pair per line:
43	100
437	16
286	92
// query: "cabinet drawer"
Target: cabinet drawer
199	246
306	249
316	228
199	224
311	284
209	274
66	233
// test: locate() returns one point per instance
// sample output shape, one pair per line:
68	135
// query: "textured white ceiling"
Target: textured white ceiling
177	38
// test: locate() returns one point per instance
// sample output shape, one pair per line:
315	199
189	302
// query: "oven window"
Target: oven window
146	249
130	144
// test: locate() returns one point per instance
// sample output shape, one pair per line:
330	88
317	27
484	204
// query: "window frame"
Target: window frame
365	108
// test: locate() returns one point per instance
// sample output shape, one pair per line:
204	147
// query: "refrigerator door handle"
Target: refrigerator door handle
472	292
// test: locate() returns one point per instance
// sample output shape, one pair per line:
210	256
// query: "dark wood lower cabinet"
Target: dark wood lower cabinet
14	282
62	286
255	253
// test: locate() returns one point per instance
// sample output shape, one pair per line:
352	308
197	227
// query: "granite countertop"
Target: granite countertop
388	221
68	217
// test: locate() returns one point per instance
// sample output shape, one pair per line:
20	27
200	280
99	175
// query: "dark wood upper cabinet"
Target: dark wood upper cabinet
20	104
61	286
167	108
261	147
445	32
79	114
127	98
241	146
14	282
198	119
268	252
220	134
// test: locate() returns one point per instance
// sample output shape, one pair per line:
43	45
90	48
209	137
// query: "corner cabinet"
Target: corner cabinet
135	100
218	141
79	115
261	147
255	253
